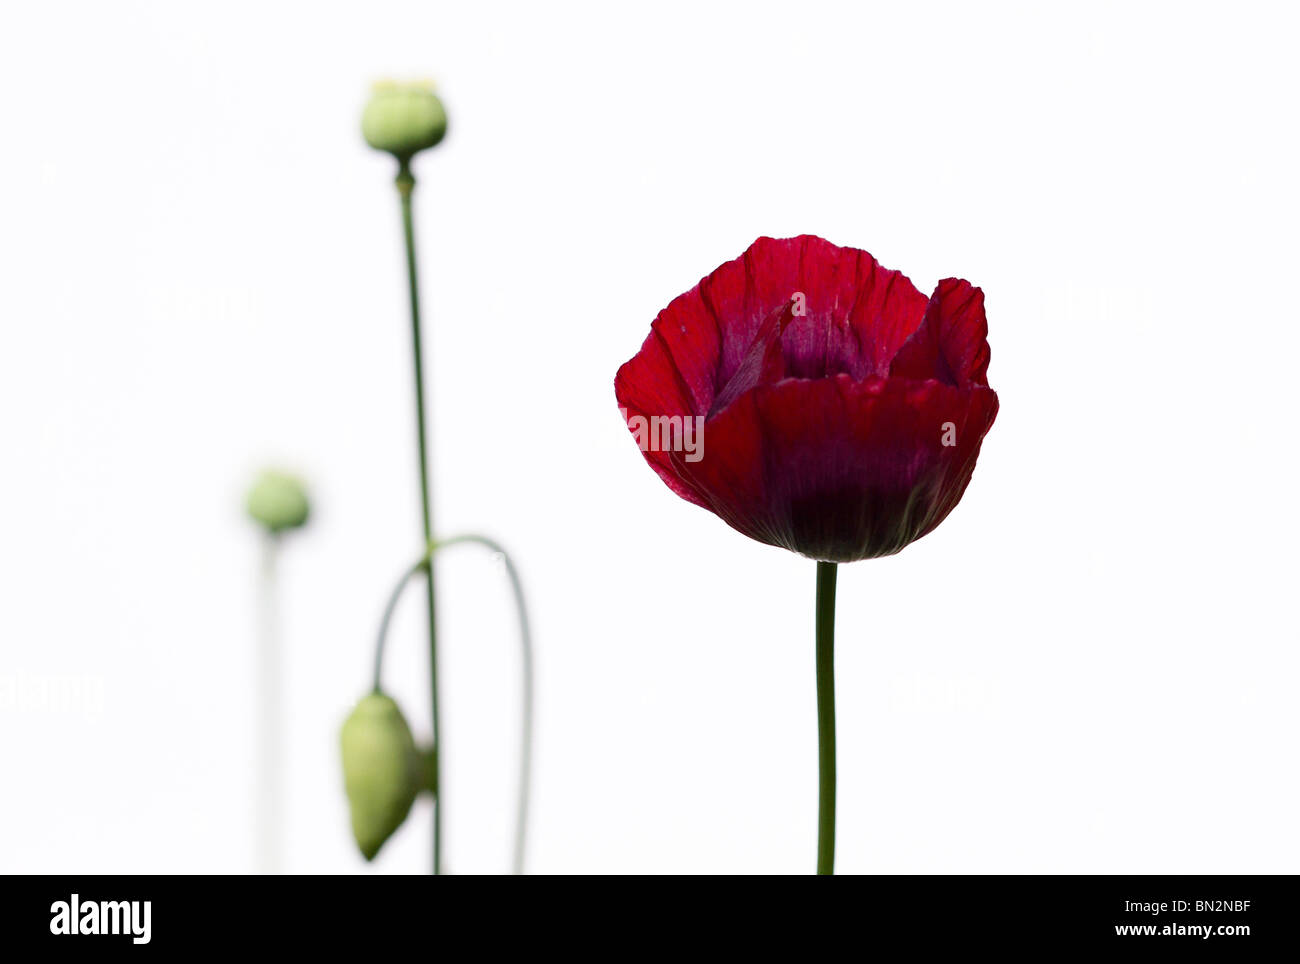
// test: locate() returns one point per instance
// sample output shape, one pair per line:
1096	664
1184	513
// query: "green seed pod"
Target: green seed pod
278	501
382	770
403	119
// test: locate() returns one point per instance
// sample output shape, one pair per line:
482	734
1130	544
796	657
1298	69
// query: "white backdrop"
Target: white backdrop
1090	667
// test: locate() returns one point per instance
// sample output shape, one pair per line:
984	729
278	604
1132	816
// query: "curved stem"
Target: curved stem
389	609
526	660
826	572
526	654
405	187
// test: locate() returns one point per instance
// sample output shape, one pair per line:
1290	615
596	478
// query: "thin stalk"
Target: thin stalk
826	572
405	187
389	609
270	729
526	663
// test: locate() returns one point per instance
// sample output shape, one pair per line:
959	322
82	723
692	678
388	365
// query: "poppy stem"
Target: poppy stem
526	660
270	721
389	608
826	572
405	187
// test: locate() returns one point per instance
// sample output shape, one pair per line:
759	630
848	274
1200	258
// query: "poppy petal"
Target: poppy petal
764	363
842	411
839	470
951	343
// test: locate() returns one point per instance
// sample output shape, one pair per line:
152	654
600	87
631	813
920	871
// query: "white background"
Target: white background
1090	667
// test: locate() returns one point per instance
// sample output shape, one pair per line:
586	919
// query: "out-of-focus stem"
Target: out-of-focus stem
268	735
527	673
526	664
389	609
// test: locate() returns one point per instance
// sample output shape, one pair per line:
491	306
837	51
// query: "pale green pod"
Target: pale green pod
382	770
403	119
278	501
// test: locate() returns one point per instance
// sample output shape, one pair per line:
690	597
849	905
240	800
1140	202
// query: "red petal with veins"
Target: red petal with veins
951	344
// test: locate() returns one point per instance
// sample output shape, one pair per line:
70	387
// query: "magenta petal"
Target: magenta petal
951	343
842	412
763	364
839	470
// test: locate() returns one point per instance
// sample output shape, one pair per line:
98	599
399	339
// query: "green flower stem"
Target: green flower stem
526	660
405	187
826	572
270	720
389	609
427	757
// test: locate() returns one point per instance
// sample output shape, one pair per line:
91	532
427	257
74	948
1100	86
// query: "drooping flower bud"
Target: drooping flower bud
278	502
382	770
403	119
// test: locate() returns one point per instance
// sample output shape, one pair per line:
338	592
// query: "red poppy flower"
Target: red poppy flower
815	400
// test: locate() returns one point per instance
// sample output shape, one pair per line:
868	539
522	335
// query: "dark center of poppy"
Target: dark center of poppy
820	346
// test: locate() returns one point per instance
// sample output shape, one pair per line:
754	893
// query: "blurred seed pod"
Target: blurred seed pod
403	119
278	502
382	770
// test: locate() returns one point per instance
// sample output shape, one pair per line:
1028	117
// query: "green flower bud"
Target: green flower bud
403	119
278	502
382	770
